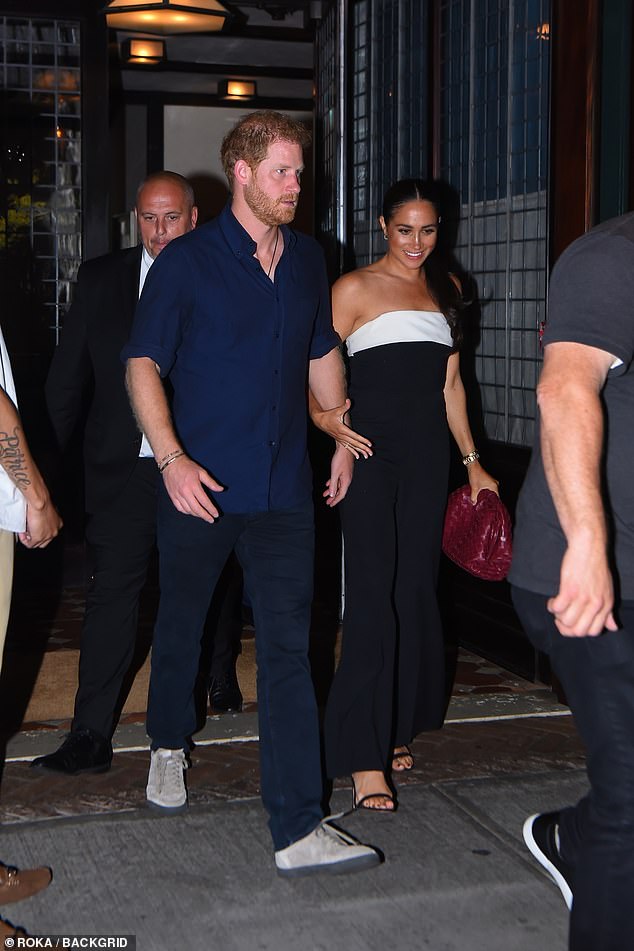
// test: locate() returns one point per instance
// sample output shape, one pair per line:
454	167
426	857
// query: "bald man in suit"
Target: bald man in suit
120	471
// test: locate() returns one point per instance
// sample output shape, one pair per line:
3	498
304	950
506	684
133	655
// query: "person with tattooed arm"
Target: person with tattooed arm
26	511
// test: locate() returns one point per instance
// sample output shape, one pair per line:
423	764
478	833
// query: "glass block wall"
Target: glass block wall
388	68
327	144
494	97
385	65
362	154
40	166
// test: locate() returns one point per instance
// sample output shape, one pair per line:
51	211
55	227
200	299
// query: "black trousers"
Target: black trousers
596	835
390	682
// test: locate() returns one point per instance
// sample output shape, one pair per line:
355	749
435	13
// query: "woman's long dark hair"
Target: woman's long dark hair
439	282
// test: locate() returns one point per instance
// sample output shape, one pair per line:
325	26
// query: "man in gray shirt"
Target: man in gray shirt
573	572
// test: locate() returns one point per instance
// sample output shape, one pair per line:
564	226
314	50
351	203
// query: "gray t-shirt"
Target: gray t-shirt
591	301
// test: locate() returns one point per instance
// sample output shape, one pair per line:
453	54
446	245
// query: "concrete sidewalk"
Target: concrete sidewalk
456	875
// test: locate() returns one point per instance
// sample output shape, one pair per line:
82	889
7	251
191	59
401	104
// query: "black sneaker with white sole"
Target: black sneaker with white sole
541	834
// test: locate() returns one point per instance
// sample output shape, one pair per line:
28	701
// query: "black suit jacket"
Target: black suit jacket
95	330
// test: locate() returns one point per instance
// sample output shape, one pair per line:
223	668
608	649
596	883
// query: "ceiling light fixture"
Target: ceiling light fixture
143	52
239	89
166	17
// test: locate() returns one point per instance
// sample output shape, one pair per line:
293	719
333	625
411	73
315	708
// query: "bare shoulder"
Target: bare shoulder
349	301
360	285
351	283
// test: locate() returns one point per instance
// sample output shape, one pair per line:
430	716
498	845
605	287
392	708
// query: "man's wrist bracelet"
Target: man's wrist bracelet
169	455
169	458
472	456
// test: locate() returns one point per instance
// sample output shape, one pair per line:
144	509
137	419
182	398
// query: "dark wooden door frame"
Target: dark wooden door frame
574	120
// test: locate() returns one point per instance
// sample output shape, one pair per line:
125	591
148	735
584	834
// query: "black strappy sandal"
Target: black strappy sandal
402	751
362	804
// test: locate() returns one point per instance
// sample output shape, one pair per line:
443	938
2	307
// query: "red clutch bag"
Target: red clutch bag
478	537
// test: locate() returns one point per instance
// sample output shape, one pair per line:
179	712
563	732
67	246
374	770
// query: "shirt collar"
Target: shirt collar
148	260
239	240
146	263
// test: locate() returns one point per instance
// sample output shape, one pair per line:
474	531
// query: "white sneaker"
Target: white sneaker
325	849
166	781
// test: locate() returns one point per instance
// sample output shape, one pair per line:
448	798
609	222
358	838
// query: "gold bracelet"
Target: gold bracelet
470	457
169	459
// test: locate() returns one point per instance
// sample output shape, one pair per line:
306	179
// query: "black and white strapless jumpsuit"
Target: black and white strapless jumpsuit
390	683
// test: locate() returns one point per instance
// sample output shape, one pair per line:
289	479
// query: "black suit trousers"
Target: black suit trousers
120	541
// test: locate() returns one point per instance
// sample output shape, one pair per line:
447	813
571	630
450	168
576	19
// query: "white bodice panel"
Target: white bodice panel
400	326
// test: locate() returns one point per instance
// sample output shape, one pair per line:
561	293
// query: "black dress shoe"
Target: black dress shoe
83	751
224	693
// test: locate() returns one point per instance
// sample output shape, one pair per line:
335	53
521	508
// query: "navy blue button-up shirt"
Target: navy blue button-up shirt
236	346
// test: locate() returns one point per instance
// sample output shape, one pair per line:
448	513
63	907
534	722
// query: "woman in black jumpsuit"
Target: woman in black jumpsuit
399	320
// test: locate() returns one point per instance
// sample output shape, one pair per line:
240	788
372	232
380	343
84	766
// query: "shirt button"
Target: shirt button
274	407
272	443
276	372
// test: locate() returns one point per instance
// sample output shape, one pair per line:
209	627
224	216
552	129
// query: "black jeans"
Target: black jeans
596	835
276	551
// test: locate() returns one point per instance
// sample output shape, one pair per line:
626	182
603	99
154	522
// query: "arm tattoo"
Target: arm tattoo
12	458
